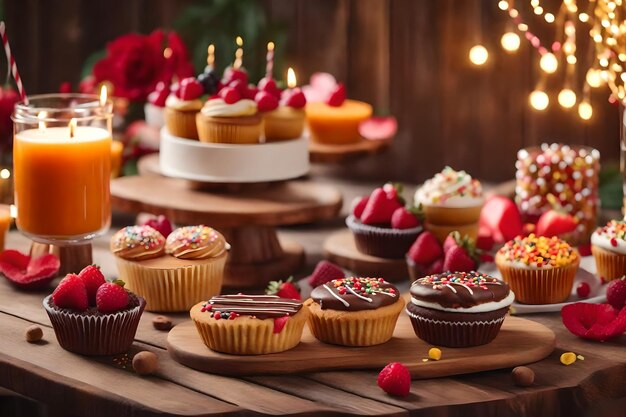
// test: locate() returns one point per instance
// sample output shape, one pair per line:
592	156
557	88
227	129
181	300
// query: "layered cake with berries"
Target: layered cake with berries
451	201
91	316
458	309
181	107
382	225
250	324
608	245
354	311
539	269
175	273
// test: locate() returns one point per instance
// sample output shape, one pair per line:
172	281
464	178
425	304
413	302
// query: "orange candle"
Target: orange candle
5	223
62	181
117	148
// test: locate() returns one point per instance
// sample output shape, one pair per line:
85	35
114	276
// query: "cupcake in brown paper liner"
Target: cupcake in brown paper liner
234	123
180	116
608	246
172	275
383	242
458	309
250	324
354	311
539	270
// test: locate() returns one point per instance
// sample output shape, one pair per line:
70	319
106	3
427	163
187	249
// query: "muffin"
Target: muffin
175	274
92	330
287	121
237	122
608	245
451	201
250	324
540	270
381	241
181	108
354	311
337	125
458	309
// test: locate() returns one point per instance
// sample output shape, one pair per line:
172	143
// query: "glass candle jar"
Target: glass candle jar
559	176
62	167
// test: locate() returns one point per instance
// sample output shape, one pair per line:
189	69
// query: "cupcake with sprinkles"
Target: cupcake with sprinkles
608	245
354	311
458	309
173	274
250	324
452	201
539	269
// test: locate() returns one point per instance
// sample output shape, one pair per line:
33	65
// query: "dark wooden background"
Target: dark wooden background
408	57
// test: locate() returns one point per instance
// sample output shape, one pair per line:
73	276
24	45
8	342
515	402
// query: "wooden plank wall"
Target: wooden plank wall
407	57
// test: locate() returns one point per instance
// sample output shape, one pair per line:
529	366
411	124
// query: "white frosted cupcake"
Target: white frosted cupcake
180	116
223	122
452	200
608	245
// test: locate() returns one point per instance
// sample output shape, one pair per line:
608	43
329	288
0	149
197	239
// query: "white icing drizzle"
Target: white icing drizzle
369	300
451	287
463	285
345	303
386	293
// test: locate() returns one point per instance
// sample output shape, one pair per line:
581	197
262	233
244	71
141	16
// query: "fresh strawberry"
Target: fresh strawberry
111	297
294	97
92	278
268	85
325	272
231	74
404	218
425	250
160	223
501	216
435	268
452	240
358	205
250	92
486	258
458	260
158	98
616	293
395	379
555	223
71	293
229	95
190	89
585	249
238	85
265	101
378	128
598	322
286	289
484	241
337	97
279	323
583	289
380	206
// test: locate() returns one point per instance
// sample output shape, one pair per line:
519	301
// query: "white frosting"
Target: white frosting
219	108
174	102
603	241
441	191
480	308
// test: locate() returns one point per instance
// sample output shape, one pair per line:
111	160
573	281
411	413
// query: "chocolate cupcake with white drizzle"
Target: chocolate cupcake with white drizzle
354	311
250	324
458	309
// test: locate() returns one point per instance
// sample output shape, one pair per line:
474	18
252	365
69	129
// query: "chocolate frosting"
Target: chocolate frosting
354	294
459	289
260	306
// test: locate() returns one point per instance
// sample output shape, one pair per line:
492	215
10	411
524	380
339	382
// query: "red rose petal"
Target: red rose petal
379	128
594	321
27	273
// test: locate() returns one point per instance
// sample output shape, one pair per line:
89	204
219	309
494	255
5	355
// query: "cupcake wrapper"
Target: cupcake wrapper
455	334
277	128
380	241
247	336
213	130
181	123
176	289
442	232
355	329
539	286
609	265
452	216
334	133
106	334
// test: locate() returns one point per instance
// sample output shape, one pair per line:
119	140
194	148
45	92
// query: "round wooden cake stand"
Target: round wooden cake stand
341	249
247	218
332	154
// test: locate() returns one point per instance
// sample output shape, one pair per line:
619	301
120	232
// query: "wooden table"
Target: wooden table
74	385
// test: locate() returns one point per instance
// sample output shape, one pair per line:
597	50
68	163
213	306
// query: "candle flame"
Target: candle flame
270	46
103	95
239	41
41	116
167	52
291	78
72	126
238	53
210	55
5	174
13	211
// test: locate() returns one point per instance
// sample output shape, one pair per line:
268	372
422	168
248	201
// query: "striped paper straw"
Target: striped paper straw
12	64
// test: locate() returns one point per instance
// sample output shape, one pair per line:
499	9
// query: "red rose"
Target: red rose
134	64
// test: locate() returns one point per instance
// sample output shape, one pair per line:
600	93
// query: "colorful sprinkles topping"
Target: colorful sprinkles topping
459	280
538	251
230	307
138	236
614	230
189	241
447	184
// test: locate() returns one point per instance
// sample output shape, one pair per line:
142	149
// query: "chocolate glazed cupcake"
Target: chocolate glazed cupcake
458	309
381	241
354	311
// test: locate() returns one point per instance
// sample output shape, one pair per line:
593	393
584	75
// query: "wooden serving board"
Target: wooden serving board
520	342
334	154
